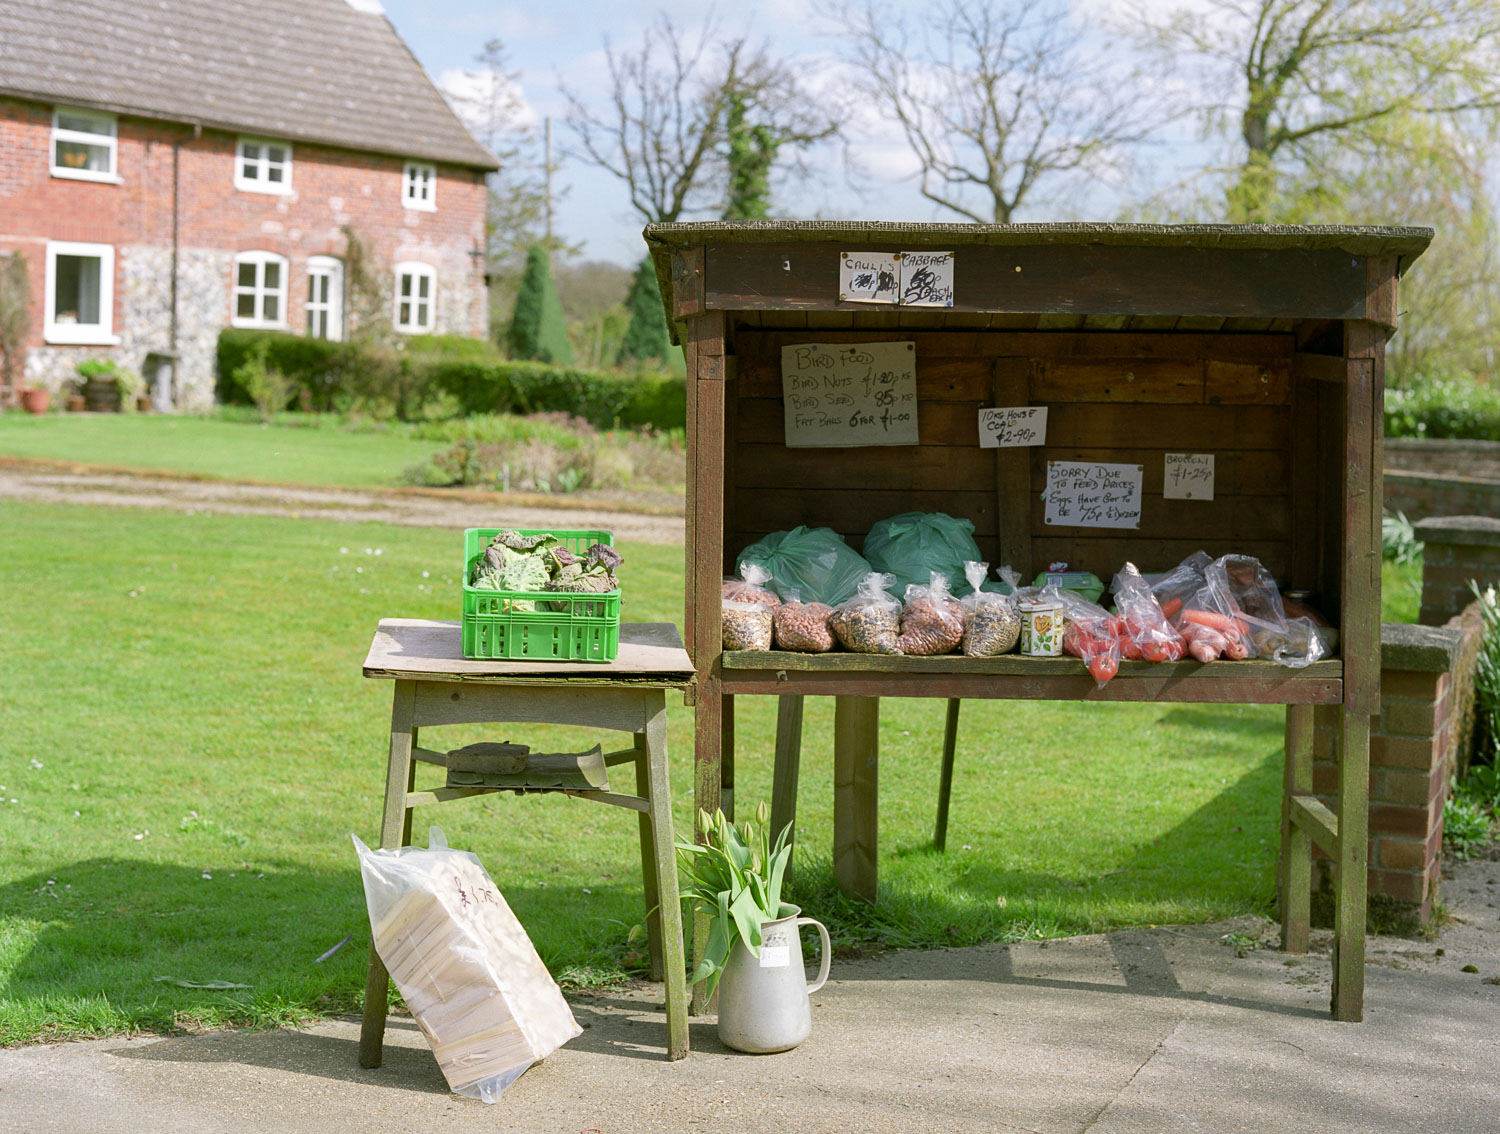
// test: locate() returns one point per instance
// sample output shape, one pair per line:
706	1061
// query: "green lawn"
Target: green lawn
315	451
189	743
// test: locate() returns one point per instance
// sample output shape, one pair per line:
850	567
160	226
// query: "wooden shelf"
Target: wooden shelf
1014	677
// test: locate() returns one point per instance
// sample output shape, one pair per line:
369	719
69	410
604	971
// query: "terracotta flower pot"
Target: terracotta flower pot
34	399
143	403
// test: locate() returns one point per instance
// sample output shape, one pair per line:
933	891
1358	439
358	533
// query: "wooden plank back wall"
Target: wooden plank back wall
1112	397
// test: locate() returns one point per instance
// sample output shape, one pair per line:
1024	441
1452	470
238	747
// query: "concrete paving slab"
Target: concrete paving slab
1160	1030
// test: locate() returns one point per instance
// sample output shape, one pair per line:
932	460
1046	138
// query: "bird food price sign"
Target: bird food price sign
842	395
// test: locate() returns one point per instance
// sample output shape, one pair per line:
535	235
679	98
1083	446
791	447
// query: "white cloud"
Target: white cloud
472	92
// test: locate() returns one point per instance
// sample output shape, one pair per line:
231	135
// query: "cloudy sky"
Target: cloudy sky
563	42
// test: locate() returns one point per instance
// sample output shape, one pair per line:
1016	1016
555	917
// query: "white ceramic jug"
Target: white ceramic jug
763	1000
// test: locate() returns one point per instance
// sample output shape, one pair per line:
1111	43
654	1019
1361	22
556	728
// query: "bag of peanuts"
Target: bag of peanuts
870	622
750	586
992	624
747	625
803	626
933	620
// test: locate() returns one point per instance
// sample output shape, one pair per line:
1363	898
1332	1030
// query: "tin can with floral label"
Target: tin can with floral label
1041	629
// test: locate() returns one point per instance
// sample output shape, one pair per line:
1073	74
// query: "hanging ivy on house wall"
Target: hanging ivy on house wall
15	322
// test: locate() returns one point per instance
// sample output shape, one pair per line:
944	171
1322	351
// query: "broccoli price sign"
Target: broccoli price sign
842	395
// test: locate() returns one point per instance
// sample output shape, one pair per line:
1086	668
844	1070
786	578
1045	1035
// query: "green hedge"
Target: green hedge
335	376
1441	404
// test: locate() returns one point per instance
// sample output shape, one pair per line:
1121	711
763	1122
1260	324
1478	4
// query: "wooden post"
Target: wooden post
856	818
786	769
705	556
1364	351
945	779
1296	845
648	858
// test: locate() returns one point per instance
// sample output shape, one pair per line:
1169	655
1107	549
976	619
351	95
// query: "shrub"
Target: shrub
1443	404
409	382
268	387
538	327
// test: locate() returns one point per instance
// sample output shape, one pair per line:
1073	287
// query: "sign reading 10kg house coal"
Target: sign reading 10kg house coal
841	395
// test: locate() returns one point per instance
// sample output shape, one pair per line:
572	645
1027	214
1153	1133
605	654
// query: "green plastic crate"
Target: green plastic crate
583	627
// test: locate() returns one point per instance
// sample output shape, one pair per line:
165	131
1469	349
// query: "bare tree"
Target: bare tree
665	133
1287	78
994	98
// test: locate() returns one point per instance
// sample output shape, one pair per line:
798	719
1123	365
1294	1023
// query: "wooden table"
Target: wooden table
436	685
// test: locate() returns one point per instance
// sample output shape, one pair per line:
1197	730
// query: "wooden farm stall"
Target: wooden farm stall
1260	345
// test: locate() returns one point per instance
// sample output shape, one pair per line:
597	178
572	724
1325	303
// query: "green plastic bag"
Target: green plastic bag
914	544
816	563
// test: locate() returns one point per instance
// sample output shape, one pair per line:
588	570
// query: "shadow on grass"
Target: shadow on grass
963	911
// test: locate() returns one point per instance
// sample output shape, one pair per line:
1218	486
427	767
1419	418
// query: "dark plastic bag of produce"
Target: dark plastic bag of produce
814	562
914	544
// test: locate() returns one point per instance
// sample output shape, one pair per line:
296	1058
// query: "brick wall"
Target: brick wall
1419	495
330	188
1460	549
1443	457
1416	744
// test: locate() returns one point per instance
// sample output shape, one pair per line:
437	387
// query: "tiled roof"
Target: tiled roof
303	70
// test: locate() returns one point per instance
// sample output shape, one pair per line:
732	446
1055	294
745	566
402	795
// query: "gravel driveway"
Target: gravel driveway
55	484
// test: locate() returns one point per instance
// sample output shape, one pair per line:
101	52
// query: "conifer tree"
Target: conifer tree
538	329
647	336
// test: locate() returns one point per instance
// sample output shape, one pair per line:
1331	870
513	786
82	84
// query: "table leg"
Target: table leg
1351	879
787	767
1296	844
648	856
945	780
856	764
669	905
395	826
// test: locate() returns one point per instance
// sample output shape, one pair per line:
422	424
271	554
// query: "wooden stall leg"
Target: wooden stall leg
726	757
395	824
648	857
945	782
707	738
1351	877
669	906
1296	844
856	765
785	771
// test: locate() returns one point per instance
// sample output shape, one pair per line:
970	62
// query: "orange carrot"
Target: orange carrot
1229	627
1171	606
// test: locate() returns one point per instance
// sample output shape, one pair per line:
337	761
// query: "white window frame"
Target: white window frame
110	140
259	290
81	334
416	192
332	310
261	182
416	270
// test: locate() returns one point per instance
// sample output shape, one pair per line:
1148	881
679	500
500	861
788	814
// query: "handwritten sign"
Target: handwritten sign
910	279
1189	476
843	395
1015	425
1087	494
927	279
869	277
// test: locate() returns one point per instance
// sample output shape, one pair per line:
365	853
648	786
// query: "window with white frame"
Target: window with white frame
263	167
79	305
419	186
416	293
325	298
259	290
84	145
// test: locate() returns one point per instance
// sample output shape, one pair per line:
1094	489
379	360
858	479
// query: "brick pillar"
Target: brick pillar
1459	548
1412	745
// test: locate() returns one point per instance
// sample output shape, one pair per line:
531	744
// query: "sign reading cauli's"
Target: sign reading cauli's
839	395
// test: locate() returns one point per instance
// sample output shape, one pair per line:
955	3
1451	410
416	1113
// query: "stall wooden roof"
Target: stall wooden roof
1133	275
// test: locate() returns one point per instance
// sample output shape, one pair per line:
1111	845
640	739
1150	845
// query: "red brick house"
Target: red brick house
173	168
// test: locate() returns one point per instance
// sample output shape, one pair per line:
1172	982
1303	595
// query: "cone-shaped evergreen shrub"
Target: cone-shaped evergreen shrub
646	337
538	329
